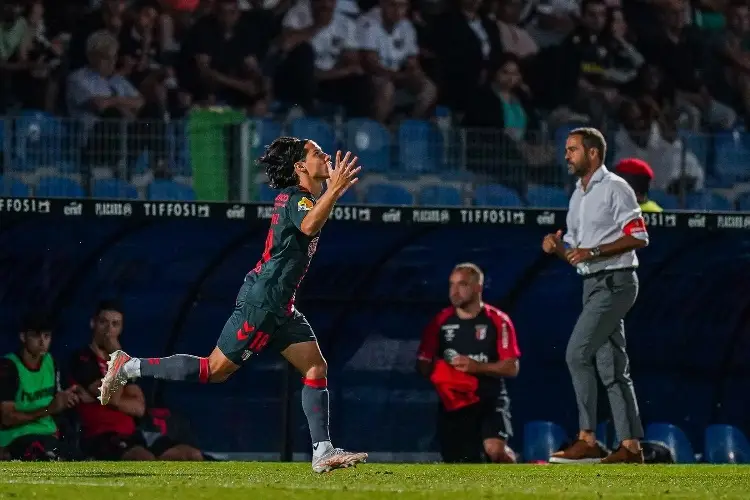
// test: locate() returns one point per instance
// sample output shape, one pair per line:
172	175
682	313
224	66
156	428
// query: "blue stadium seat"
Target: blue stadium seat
266	193
547	197
440	196
698	143
732	156
162	190
114	189
388	194
743	201
316	130
664	200
263	131
542	439
674	439
13	187
420	146
726	445
371	142
707	201
59	186
496	195
39	139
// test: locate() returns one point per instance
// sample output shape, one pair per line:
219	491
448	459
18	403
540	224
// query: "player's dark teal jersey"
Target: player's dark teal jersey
286	256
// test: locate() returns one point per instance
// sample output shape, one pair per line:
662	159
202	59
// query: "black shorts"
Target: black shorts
112	446
249	330
35	447
461	433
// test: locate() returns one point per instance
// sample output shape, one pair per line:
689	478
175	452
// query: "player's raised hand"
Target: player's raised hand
343	175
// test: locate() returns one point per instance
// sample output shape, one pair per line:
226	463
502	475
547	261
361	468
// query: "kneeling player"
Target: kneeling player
264	314
467	351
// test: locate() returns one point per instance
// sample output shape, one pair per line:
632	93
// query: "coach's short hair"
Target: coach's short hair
471	268
592	139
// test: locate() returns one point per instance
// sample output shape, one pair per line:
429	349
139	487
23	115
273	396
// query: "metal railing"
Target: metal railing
210	156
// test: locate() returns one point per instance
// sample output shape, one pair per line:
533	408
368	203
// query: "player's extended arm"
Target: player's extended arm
341	178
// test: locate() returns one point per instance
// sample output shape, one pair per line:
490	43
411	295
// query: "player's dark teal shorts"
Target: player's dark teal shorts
249	330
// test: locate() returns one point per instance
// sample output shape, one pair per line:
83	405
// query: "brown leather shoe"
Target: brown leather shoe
579	452
623	455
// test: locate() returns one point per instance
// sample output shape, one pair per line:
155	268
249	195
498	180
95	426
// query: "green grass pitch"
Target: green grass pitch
261	481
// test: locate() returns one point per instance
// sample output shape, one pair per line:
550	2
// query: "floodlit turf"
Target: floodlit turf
261	481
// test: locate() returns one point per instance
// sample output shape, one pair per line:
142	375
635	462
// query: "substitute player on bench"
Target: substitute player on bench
473	345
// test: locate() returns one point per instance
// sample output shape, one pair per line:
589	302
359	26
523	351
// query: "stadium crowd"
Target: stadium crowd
641	70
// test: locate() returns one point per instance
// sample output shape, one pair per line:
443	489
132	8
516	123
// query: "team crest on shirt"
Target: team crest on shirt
480	331
304	205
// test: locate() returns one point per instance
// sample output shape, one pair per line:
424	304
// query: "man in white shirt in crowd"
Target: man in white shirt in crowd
388	42
321	60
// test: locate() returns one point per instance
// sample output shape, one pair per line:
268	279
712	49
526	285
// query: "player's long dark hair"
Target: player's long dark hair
279	159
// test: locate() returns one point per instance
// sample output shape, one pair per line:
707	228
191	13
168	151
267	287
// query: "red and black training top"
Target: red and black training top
86	368
486	338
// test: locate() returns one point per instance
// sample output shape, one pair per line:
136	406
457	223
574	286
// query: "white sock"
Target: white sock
321	448
132	368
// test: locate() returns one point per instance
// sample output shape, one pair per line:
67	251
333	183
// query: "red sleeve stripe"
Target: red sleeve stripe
429	345
507	344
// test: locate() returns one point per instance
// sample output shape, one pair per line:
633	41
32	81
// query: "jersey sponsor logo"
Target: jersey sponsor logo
30	397
479	358
480	331
449	332
305	204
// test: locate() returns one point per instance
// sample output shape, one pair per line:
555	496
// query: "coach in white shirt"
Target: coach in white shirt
605	228
322	60
388	43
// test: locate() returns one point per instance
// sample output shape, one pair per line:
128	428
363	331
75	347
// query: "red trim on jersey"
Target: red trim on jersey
636	227
507	344
203	371
315	383
429	344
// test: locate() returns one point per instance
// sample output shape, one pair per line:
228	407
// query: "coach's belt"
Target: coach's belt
605	271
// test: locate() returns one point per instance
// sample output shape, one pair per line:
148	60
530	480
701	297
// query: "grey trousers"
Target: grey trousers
599	337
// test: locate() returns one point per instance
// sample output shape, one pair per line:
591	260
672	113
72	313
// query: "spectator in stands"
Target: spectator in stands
680	51
30	396
504	128
389	48
13	30
642	136
650	89
625	58
108	105
729	78
551	21
466	43
587	57
467	351
638	174
107	17
513	38
37	86
321	61
110	432
226	51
